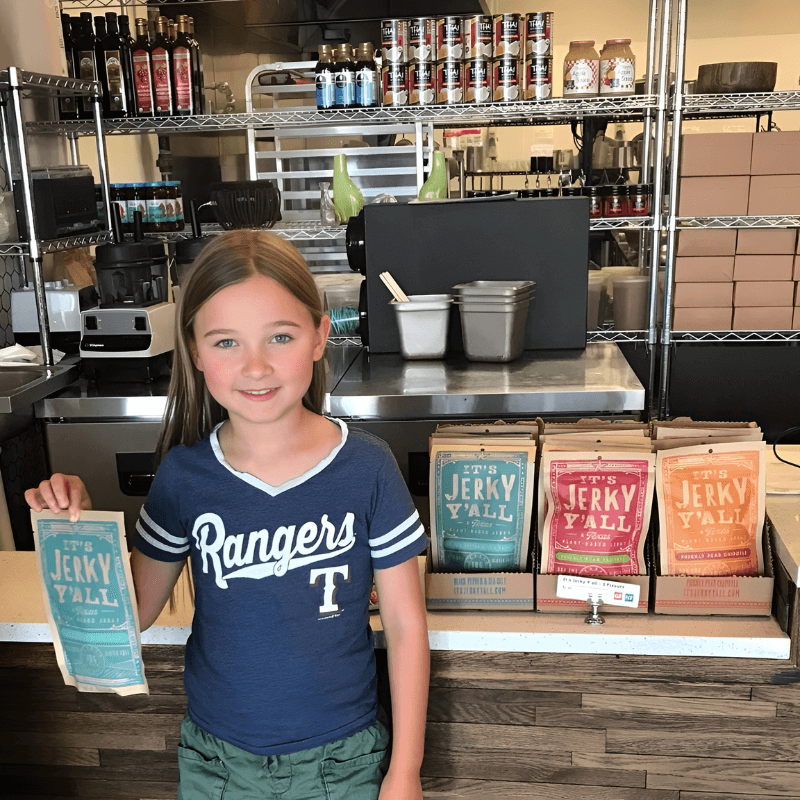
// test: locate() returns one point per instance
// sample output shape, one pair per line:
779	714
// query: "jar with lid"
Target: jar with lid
616	201
639	199
595	201
170	205
617	68
157	220
137	201
180	223
119	202
581	70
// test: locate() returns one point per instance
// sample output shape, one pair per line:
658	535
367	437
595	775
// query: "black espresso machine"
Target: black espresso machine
430	247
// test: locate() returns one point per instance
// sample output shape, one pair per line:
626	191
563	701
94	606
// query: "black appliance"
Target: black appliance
430	247
64	202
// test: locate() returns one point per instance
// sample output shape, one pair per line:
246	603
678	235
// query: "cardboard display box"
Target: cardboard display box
773	195
703	295
706	242
766	242
763	293
716	153
715	197
752	318
775	153
496	591
702	319
796	275
699	595
796	321
705	269
546	599
763	268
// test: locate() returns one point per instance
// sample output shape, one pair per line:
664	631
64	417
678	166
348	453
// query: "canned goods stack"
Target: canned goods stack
538	81
394	66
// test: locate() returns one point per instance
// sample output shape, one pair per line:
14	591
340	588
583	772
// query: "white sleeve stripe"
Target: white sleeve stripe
387	551
387	537
158	530
159	545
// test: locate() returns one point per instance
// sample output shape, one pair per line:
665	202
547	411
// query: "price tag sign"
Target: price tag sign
609	593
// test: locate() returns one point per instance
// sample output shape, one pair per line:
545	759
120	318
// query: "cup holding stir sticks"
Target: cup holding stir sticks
391	284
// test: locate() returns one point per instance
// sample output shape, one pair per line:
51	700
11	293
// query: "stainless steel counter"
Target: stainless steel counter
360	386
597	380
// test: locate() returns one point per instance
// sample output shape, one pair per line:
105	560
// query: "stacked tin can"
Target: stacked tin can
394	65
449	56
538	81
422	66
507	63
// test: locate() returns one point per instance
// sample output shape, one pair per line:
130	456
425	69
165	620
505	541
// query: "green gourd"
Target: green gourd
435	188
347	197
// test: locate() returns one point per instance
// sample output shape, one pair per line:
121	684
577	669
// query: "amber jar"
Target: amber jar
581	70
157	212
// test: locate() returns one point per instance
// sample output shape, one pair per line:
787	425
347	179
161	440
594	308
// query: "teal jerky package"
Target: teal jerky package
91	606
481	502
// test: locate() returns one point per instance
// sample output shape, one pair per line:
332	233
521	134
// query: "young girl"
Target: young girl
285	514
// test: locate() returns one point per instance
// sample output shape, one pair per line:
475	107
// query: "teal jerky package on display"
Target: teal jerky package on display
481	500
91	606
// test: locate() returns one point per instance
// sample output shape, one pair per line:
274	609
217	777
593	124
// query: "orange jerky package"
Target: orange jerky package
711	506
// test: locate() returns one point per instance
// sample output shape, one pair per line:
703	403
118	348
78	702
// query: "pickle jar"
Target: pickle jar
581	70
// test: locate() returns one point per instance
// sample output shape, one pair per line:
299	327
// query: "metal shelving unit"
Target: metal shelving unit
16	84
710	106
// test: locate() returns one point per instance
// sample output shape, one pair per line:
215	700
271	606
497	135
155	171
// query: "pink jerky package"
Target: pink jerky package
598	512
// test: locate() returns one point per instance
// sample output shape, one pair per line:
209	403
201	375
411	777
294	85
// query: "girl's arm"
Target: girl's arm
402	610
153	581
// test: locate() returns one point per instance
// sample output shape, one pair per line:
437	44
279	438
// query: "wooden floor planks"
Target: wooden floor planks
501	726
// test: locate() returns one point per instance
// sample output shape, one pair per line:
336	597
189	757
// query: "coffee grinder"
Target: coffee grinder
130	336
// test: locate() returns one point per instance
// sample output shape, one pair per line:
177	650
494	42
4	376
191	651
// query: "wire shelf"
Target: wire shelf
620	223
703	105
69	242
293	231
734	337
608	335
777	221
13	248
37	83
67	4
528	112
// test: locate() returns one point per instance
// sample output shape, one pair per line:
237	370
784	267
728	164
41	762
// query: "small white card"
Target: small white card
609	593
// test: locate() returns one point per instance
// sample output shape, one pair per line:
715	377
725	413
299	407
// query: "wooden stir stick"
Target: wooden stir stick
391	284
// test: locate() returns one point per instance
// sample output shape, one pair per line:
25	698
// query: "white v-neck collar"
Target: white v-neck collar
269	489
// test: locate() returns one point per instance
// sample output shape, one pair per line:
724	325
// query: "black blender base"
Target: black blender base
127	370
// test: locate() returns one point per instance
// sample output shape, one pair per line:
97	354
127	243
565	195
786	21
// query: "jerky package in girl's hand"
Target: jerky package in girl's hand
711	501
91	606
597	511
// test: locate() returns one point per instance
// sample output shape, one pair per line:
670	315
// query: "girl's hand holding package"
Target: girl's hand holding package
60	493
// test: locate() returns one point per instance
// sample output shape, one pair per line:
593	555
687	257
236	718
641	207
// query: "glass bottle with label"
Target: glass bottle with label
68	105
581	70
123	24
172	30
100	34
86	61
617	68
116	57
200	105
344	95
366	77
143	71
161	56
182	74
323	78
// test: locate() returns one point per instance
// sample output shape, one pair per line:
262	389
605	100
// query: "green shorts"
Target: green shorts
348	769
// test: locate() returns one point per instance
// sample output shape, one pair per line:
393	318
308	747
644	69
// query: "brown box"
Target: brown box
763	268
768	318
716	153
797	294
703	295
547	600
702	319
706	243
796	275
714	197
796	320
763	293
776	153
773	194
705	269
497	591
699	595
766	242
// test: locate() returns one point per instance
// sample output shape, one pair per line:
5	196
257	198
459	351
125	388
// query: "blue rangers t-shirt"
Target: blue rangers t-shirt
280	657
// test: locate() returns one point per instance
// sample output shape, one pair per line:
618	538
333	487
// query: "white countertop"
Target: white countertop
783	506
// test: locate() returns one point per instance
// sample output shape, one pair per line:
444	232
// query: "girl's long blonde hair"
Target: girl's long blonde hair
231	258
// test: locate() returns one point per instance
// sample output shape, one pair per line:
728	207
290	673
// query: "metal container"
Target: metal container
507	35
478	80
421	84
449	38
394	41
450	82
493	331
511	290
507	80
539	34
478	37
422	39
422	323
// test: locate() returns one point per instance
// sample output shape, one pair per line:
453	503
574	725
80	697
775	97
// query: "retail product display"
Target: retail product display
159	202
138	78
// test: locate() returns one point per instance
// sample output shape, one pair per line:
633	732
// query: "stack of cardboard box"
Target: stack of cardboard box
748	280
